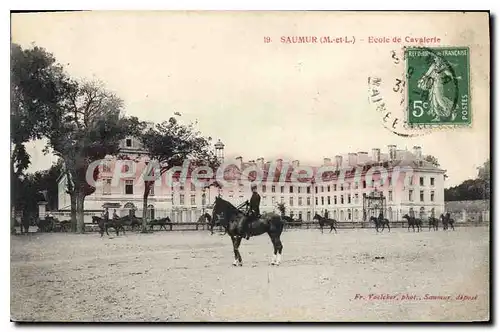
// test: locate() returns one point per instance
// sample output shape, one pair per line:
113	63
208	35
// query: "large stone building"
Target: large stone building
351	188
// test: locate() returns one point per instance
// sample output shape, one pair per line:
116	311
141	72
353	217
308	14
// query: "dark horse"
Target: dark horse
232	219
433	223
447	220
215	221
412	222
117	224
380	223
325	222
159	222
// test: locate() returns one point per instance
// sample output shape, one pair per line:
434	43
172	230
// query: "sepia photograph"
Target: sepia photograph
250	166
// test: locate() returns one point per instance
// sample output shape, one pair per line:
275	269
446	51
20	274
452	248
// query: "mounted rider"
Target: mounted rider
326	214
253	210
105	215
115	215
381	216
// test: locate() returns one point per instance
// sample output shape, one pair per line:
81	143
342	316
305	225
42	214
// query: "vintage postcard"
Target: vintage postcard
190	166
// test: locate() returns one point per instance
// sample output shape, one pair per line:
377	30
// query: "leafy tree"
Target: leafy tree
88	128
433	160
38	86
472	189
169	144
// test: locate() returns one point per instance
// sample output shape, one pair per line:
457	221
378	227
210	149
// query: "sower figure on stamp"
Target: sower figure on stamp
253	210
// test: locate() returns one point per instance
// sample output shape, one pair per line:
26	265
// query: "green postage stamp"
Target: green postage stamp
438	86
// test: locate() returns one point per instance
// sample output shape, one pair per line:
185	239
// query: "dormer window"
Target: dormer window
128	142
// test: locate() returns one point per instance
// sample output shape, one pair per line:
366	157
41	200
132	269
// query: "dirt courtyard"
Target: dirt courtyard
355	275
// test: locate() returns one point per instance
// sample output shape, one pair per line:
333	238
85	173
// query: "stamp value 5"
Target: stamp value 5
438	86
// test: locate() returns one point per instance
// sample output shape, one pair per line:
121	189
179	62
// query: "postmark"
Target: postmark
438	88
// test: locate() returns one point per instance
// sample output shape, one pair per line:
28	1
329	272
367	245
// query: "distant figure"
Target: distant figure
326	214
254	210
115	215
105	215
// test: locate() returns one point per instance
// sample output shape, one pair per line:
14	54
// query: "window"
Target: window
410	195
322	189
308	190
349	216
282	189
308	200
152	190
264	200
193	199
106	189
273	188
421	180
316	201
341	187
328	200
411	180
300	215
151	212
432	181
129	187
341	199
282	199
356	184
390	195
299	189
105	167
356	214
128	142
421	195
291	214
328	188
349	199
356	198
300	201
193	188
316	189
263	188
334	199
308	215
273	200
291	201
348	185
181	199
291	189
432	196
181	188
389	180
322	201
364	184
334	187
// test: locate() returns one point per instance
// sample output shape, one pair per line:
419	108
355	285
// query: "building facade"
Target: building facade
349	188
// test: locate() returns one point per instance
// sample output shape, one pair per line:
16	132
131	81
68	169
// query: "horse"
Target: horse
380	223
232	219
116	223
325	222
412	222
159	222
447	220
215	221
433	223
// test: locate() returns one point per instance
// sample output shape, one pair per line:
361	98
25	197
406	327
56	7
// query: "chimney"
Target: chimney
417	151
338	161
327	161
239	162
352	159
295	163
376	155
260	162
392	152
362	157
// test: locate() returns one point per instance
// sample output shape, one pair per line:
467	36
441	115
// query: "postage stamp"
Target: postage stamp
438	86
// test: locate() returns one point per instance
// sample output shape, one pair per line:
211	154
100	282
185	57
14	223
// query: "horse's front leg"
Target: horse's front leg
236	244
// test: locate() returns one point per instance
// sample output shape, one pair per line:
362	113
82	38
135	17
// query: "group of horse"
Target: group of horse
134	223
417	223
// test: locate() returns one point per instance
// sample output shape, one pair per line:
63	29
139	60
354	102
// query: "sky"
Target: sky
271	100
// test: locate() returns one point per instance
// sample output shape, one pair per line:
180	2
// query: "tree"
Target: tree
169	144
433	160
281	208
86	129
472	189
38	86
